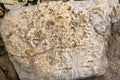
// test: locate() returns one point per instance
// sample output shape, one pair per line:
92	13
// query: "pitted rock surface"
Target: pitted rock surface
57	40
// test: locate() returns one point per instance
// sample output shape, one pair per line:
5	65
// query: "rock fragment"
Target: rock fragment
57	40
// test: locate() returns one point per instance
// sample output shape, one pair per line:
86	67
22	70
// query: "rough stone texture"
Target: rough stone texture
113	55
13	4
7	71
58	40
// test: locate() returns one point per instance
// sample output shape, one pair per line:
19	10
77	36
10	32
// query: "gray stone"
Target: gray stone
56	40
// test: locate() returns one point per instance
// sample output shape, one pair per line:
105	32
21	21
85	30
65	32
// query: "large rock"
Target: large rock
57	40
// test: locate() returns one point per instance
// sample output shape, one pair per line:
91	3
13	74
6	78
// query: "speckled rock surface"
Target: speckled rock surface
57	40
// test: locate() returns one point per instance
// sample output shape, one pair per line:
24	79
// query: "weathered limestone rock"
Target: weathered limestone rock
57	40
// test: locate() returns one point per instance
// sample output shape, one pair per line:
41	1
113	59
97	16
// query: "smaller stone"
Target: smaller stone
13	4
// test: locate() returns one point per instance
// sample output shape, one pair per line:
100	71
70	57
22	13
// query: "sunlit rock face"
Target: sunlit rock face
58	41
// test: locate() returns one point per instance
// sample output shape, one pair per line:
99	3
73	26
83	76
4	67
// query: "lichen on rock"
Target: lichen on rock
57	40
